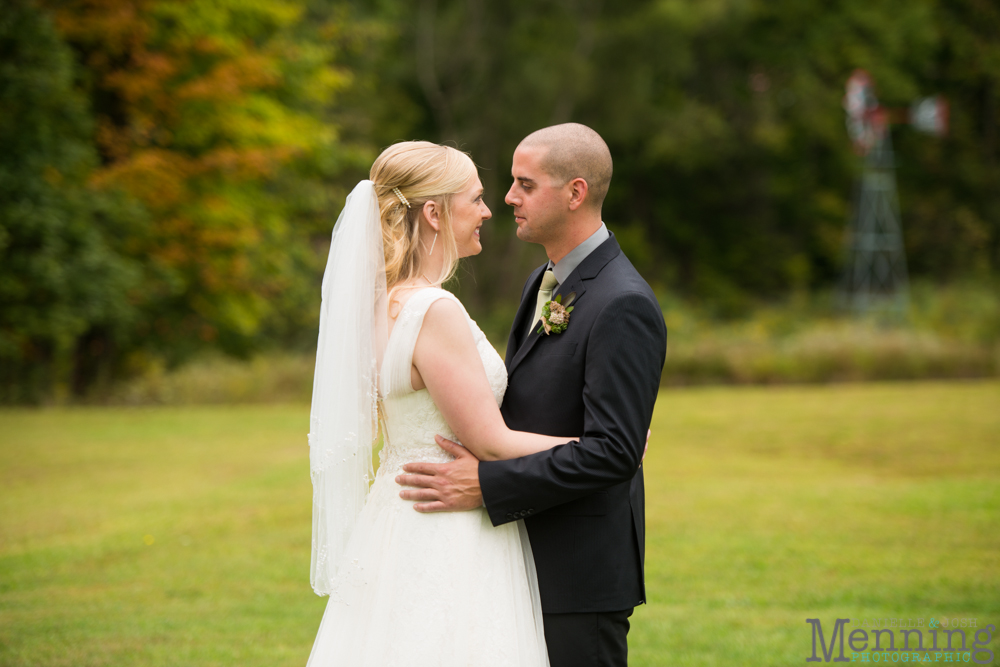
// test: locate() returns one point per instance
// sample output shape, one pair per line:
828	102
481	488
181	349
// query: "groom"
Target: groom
582	502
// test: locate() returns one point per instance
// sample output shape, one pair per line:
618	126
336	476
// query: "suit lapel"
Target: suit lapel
522	351
573	284
525	310
587	270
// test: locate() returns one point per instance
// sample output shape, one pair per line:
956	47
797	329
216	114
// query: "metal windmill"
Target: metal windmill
875	276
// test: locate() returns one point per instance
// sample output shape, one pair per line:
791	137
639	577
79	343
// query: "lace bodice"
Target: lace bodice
411	417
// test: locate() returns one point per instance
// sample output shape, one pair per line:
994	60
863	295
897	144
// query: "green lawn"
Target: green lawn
180	536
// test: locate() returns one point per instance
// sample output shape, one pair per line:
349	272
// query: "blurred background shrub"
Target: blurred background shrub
951	333
171	169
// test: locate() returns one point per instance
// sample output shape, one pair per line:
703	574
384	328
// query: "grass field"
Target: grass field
180	536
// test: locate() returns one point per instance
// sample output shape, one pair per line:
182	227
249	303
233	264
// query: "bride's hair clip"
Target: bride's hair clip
402	199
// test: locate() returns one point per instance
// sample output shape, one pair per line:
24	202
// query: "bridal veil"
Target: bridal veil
343	421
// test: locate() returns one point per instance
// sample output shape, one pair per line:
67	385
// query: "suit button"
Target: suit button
530	511
509	515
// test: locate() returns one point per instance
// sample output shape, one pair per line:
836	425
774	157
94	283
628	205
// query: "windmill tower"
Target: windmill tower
875	277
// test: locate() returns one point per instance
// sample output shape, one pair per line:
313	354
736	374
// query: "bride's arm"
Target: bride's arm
448	364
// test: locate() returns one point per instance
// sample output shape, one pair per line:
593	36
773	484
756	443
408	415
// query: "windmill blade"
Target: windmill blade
930	115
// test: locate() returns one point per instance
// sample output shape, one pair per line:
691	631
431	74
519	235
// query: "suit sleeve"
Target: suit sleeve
624	358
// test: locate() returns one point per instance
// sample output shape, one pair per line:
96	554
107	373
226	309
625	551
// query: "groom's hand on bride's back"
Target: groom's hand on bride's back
449	487
443	487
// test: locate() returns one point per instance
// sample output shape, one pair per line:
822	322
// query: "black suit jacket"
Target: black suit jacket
583	502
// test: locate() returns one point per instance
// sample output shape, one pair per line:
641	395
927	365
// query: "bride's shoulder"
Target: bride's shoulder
445	314
441	311
443	308
427	308
423	299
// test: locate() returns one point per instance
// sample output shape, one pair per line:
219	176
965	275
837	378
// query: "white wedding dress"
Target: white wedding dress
445	589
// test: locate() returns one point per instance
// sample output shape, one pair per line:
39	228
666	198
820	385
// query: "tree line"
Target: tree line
170	170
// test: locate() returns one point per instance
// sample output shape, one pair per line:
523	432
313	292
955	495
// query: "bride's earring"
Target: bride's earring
432	243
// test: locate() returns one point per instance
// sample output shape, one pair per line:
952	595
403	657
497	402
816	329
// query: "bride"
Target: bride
406	588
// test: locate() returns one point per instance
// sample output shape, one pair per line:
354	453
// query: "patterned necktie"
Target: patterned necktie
544	294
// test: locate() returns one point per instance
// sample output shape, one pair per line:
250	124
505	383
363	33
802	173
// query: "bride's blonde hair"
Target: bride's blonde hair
422	172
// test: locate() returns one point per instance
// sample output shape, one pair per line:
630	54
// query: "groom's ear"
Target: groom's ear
578	191
432	213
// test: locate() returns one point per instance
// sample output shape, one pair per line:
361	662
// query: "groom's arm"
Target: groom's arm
625	355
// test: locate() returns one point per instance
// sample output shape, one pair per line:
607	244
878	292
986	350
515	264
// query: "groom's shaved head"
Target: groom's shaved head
575	151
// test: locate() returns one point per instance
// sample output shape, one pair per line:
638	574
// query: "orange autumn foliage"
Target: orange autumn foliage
201	106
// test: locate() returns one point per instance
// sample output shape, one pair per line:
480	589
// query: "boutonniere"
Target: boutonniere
555	315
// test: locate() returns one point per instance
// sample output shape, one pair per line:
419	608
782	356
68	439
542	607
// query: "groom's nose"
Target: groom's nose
510	199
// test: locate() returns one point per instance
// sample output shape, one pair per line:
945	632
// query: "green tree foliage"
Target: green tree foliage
951	189
209	112
168	182
65	291
169	191
733	167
